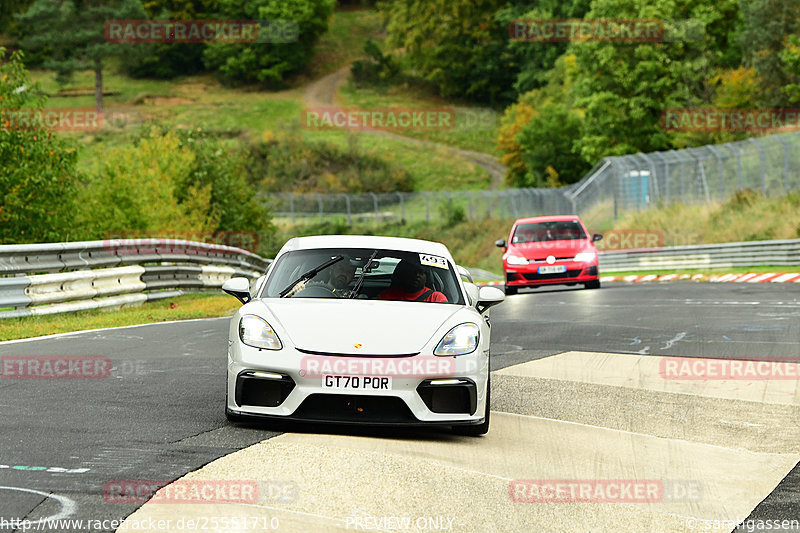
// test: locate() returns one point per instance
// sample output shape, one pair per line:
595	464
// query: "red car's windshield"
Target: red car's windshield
560	230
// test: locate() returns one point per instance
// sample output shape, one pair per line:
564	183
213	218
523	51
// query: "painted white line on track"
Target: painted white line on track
68	506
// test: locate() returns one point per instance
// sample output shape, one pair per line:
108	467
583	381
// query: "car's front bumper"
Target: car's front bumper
425	389
527	275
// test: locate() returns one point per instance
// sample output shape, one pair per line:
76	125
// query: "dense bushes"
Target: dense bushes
167	182
288	163
269	62
38	176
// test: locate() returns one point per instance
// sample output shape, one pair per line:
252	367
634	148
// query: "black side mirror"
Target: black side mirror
596	237
501	243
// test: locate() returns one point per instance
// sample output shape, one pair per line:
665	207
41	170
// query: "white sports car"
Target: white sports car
355	329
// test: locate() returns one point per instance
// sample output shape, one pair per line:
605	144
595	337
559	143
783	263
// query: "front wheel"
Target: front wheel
592	284
480	429
510	290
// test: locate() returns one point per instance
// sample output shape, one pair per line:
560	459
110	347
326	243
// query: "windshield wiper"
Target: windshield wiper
310	274
366	268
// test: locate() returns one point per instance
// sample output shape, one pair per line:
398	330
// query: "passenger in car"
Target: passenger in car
408	283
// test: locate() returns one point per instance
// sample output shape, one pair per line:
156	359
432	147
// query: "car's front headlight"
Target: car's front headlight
585	257
256	332
516	260
460	340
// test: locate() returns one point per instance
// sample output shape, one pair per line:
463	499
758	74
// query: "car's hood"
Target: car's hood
357	327
563	248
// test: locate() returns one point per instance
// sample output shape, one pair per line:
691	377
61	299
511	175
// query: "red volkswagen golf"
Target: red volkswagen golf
552	250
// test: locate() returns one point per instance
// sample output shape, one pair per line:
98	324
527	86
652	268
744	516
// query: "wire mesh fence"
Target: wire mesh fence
706	174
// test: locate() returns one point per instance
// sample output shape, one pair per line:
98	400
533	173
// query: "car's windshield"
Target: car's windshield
560	230
390	275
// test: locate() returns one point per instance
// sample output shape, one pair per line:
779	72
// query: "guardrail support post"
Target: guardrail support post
735	151
347	203
785	162
761	158
374	204
720	183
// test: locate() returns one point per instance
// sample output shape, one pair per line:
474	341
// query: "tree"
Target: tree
11	8
72	33
790	57
767	27
38	173
269	62
623	87
549	147
168	60
534	60
456	45
137	189
463	46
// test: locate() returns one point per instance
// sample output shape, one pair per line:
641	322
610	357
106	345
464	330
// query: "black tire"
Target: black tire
592	284
480	429
510	290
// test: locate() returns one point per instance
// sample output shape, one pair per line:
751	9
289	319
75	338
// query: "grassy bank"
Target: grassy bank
250	113
206	305
747	216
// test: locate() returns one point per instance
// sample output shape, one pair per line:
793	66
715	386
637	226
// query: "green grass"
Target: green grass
475	128
746	216
203	102
344	42
181	308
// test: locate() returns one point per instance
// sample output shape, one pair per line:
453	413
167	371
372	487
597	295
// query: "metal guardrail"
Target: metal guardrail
728	255
38	279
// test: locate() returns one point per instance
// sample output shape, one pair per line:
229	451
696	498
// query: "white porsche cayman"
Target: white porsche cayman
356	329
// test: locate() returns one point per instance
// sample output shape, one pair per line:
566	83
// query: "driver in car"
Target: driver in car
338	278
408	283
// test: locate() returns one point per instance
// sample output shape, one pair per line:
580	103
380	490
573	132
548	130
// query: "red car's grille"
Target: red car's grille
532	276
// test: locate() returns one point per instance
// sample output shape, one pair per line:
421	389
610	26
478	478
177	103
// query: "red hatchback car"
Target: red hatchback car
552	250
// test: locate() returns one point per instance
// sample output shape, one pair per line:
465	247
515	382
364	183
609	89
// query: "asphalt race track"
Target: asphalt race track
577	395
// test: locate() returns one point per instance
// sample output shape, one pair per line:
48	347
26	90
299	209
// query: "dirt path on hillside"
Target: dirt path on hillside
323	92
